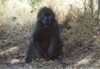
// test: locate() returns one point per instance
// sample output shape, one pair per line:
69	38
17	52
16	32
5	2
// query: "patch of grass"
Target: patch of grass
33	2
3	1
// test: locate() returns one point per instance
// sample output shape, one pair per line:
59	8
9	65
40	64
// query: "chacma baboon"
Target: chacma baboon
46	39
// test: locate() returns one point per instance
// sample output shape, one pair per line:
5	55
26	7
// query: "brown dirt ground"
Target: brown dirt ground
78	54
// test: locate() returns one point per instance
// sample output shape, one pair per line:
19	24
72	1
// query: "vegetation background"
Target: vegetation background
79	21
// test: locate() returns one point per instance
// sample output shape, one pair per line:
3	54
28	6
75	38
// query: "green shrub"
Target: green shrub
33	2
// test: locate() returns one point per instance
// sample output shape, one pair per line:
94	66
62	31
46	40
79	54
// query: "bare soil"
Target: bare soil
76	54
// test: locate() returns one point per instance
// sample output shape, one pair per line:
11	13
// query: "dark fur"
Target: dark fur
46	40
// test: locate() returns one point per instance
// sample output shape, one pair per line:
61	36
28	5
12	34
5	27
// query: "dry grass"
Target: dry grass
81	44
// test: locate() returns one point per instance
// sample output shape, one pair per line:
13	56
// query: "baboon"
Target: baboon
46	40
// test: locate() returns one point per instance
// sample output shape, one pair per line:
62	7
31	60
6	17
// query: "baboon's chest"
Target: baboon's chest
44	34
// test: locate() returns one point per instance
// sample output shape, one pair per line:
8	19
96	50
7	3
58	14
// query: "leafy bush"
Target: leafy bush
34	2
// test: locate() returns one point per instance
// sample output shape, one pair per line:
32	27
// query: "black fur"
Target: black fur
46	40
